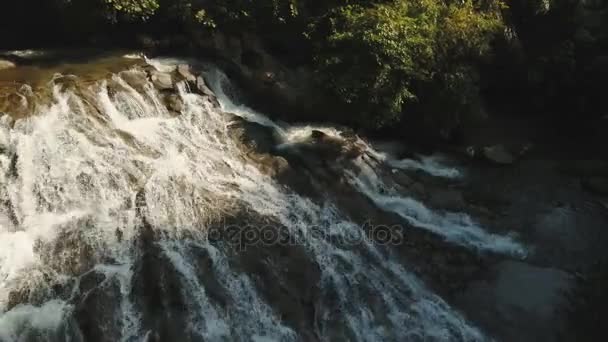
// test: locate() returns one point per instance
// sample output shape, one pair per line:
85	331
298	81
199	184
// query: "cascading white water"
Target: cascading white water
77	168
458	228
431	164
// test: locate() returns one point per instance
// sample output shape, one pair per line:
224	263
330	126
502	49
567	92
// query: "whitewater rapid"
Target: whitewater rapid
69	183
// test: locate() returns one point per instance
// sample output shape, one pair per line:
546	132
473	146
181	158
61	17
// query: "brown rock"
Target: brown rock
183	72
202	88
4	64
162	81
174	103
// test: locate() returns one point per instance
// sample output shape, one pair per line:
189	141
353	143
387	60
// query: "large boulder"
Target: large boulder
252	136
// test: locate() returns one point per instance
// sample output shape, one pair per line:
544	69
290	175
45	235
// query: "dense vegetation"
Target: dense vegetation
390	60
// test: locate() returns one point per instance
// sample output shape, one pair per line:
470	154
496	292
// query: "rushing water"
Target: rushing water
71	180
458	228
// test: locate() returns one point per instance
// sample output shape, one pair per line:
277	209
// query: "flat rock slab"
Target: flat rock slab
520	302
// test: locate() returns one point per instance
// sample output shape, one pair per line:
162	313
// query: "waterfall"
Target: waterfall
71	187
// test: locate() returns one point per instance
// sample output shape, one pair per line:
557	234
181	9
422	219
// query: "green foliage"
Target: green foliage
387	59
203	18
142	9
378	58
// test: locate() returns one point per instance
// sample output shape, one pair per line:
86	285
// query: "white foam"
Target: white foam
30	321
26	53
432	165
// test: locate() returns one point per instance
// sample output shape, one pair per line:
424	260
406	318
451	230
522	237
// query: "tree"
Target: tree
379	58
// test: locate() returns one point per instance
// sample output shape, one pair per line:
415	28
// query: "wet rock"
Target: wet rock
332	148
66	81
286	275
4	64
202	88
498	154
518	301
174	103
157	293
69	253
162	81
184	73
135	78
253	136
205	271
596	185
98	314
273	166
13	168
